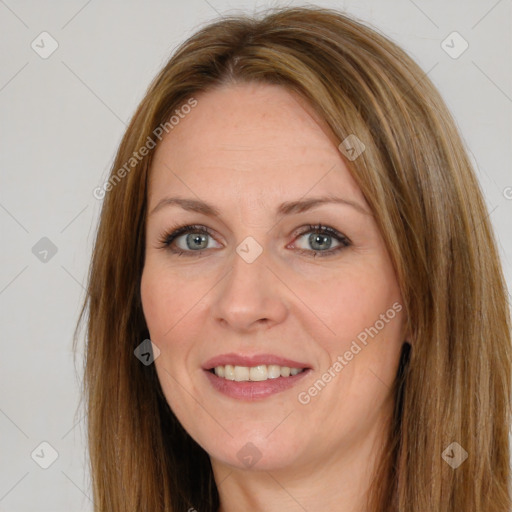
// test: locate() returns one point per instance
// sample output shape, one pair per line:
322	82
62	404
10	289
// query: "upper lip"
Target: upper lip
251	360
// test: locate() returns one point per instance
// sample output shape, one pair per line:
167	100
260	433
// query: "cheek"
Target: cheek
165	310
355	300
171	307
165	300
155	299
364	309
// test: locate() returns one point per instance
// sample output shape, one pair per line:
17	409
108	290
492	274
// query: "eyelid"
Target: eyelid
343	240
322	229
170	235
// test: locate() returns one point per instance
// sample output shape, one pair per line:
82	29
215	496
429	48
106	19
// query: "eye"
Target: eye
320	239
196	238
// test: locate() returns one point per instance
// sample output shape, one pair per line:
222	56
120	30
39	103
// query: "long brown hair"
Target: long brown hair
453	385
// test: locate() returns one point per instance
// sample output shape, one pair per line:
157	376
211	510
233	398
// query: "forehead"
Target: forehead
254	140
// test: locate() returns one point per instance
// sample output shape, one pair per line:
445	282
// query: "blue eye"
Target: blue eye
320	240
196	240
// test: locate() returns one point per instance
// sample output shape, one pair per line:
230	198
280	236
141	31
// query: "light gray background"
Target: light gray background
61	121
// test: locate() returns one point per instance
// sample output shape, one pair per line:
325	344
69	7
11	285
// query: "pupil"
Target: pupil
319	239
197	239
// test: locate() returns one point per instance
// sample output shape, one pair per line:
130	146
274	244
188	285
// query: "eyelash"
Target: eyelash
165	240
168	237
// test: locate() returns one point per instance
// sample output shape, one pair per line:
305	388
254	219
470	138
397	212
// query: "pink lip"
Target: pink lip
254	360
250	391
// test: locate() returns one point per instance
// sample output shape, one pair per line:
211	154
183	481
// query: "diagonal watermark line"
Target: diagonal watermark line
178	178
279	424
407	91
197	302
75	15
301	300
486	217
377	377
14	485
424	14
286	491
93	92
83	416
199	403
485	15
492	81
206	1
482	170
74	218
14	218
73	277
420	79
13	279
14	76
14	423
86	495
73	427
3	3
224	479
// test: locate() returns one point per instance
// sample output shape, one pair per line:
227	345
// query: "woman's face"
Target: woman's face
251	298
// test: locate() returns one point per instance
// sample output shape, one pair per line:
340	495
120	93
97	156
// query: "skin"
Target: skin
246	148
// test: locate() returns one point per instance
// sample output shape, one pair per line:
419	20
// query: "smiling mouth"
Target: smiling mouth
257	373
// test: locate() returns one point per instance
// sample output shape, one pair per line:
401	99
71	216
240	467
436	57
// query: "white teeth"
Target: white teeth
273	371
258	373
255	373
241	373
229	372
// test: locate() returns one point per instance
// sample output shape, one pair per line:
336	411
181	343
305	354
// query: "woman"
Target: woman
295	299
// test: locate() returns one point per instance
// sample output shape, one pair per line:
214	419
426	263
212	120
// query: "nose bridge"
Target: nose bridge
249	292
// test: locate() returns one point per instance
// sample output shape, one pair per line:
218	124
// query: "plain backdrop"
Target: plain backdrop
62	117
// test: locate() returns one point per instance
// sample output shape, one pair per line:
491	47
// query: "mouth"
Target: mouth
253	377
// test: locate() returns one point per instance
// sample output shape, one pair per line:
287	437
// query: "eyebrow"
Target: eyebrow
286	208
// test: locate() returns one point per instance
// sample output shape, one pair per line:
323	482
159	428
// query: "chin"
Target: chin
256	453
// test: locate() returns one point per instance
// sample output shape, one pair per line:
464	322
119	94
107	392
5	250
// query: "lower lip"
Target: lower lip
253	390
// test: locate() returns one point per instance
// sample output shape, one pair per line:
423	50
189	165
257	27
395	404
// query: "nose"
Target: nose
251	295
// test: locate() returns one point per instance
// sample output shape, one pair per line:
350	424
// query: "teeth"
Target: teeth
255	373
241	373
273	371
229	372
258	373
